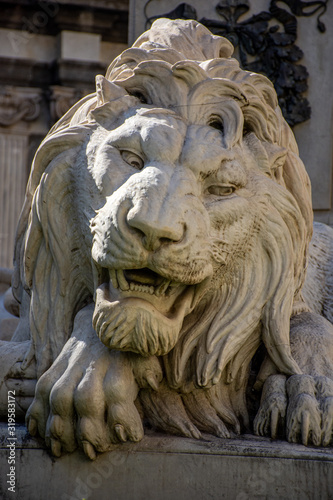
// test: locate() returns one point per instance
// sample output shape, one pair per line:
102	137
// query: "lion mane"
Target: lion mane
178	66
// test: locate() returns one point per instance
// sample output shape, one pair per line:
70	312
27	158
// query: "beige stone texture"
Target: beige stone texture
22	45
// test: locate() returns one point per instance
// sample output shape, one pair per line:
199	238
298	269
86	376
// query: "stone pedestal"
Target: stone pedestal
163	467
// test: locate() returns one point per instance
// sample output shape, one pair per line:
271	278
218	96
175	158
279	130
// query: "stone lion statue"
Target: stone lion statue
163	242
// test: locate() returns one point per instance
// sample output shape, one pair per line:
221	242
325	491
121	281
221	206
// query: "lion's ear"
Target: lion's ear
107	91
276	158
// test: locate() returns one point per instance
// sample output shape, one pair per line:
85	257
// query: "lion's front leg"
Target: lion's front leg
87	396
303	404
290	407
15	381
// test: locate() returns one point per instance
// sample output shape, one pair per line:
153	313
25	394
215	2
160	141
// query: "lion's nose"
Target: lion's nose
155	232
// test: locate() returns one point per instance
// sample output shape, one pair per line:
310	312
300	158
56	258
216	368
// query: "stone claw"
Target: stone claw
55	447
89	450
120	432
32	426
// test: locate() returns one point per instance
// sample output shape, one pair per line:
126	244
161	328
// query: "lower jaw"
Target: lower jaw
130	322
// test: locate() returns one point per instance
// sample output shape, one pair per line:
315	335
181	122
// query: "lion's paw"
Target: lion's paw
327	421
147	371
303	404
86	398
303	414
165	411
187	414
270	418
324	388
203	413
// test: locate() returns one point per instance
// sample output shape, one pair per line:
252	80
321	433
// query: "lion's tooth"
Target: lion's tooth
163	288
135	287
113	278
122	280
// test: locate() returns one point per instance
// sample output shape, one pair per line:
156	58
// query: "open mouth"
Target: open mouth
142	280
140	310
164	294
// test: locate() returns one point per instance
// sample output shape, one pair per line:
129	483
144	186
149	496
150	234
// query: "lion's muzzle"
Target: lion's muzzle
149	223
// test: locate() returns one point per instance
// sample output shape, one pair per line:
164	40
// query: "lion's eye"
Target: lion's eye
221	190
132	159
139	95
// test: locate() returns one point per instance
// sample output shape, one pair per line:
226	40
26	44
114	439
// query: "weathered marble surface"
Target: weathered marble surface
163	239
161	467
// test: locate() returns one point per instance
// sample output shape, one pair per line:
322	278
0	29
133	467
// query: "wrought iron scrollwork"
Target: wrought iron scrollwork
265	43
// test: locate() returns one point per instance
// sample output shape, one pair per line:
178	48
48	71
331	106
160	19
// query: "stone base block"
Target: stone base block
169	468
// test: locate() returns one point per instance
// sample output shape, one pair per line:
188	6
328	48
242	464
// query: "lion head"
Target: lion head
174	198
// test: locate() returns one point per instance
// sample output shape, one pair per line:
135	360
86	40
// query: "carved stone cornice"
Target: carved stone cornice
44	17
19	104
61	99
79	74
18	72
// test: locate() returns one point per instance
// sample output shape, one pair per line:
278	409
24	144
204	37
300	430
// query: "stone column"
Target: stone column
13	179
20	109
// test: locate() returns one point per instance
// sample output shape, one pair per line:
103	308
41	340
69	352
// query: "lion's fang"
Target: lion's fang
113	278
163	288
122	280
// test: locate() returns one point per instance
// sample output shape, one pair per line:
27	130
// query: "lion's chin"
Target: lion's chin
140	311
